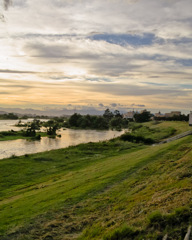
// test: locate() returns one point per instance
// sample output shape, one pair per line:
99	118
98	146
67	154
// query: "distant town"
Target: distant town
157	116
128	115
117	117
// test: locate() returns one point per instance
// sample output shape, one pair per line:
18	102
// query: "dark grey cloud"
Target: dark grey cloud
133	90
154	76
101	105
104	62
138	105
98	79
155	84
47	51
12	84
63	51
185	62
16	71
110	41
114	104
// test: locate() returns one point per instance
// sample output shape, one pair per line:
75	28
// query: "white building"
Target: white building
190	118
129	115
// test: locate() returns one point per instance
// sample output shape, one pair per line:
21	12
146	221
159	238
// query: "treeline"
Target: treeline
113	120
51	127
181	117
10	116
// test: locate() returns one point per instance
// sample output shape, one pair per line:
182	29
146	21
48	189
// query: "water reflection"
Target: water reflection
7	125
69	137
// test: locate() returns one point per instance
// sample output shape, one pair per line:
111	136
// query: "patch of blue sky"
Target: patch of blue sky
185	62
164	58
101	79
183	40
126	39
186	86
179	86
155	84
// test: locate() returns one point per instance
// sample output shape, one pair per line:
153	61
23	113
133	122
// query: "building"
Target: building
159	115
172	114
129	115
190	119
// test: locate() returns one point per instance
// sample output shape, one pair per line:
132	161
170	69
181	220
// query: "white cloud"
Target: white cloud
52	41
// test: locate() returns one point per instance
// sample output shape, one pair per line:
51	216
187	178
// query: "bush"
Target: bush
156	220
122	233
177	218
138	139
43	159
8	133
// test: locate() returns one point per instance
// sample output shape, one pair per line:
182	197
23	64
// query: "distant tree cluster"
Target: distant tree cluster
106	121
10	116
181	117
137	139
52	126
145	116
32	128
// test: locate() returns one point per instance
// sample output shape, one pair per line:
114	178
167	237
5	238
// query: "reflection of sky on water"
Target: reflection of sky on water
7	125
68	137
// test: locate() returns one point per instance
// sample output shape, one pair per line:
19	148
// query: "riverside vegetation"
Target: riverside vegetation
107	121
123	188
31	130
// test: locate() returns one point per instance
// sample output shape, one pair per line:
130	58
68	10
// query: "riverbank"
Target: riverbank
14	135
97	190
68	138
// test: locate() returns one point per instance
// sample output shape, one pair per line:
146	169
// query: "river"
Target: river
68	138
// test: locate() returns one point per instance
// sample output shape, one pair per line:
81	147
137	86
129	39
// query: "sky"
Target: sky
93	55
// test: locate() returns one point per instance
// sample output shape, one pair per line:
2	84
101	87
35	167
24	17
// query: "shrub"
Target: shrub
138	139
156	220
43	159
122	233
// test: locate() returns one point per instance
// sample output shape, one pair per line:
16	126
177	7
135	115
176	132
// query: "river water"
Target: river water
69	137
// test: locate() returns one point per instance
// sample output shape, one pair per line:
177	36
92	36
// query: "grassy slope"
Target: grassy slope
179	126
88	191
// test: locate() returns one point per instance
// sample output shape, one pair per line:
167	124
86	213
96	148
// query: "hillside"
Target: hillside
108	190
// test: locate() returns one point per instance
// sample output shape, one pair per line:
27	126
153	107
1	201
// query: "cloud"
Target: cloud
138	105
155	84
136	90
101	105
15	71
114	104
85	51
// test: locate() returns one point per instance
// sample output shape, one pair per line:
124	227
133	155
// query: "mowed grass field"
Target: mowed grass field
106	190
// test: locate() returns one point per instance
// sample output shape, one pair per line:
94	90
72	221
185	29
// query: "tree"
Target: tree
117	114
84	122
108	115
145	116
73	120
116	122
100	123
10	116
52	127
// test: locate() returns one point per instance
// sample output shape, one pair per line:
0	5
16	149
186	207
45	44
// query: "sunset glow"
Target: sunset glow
89	54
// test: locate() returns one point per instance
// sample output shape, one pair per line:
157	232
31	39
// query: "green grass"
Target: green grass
156	131
109	190
178	125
